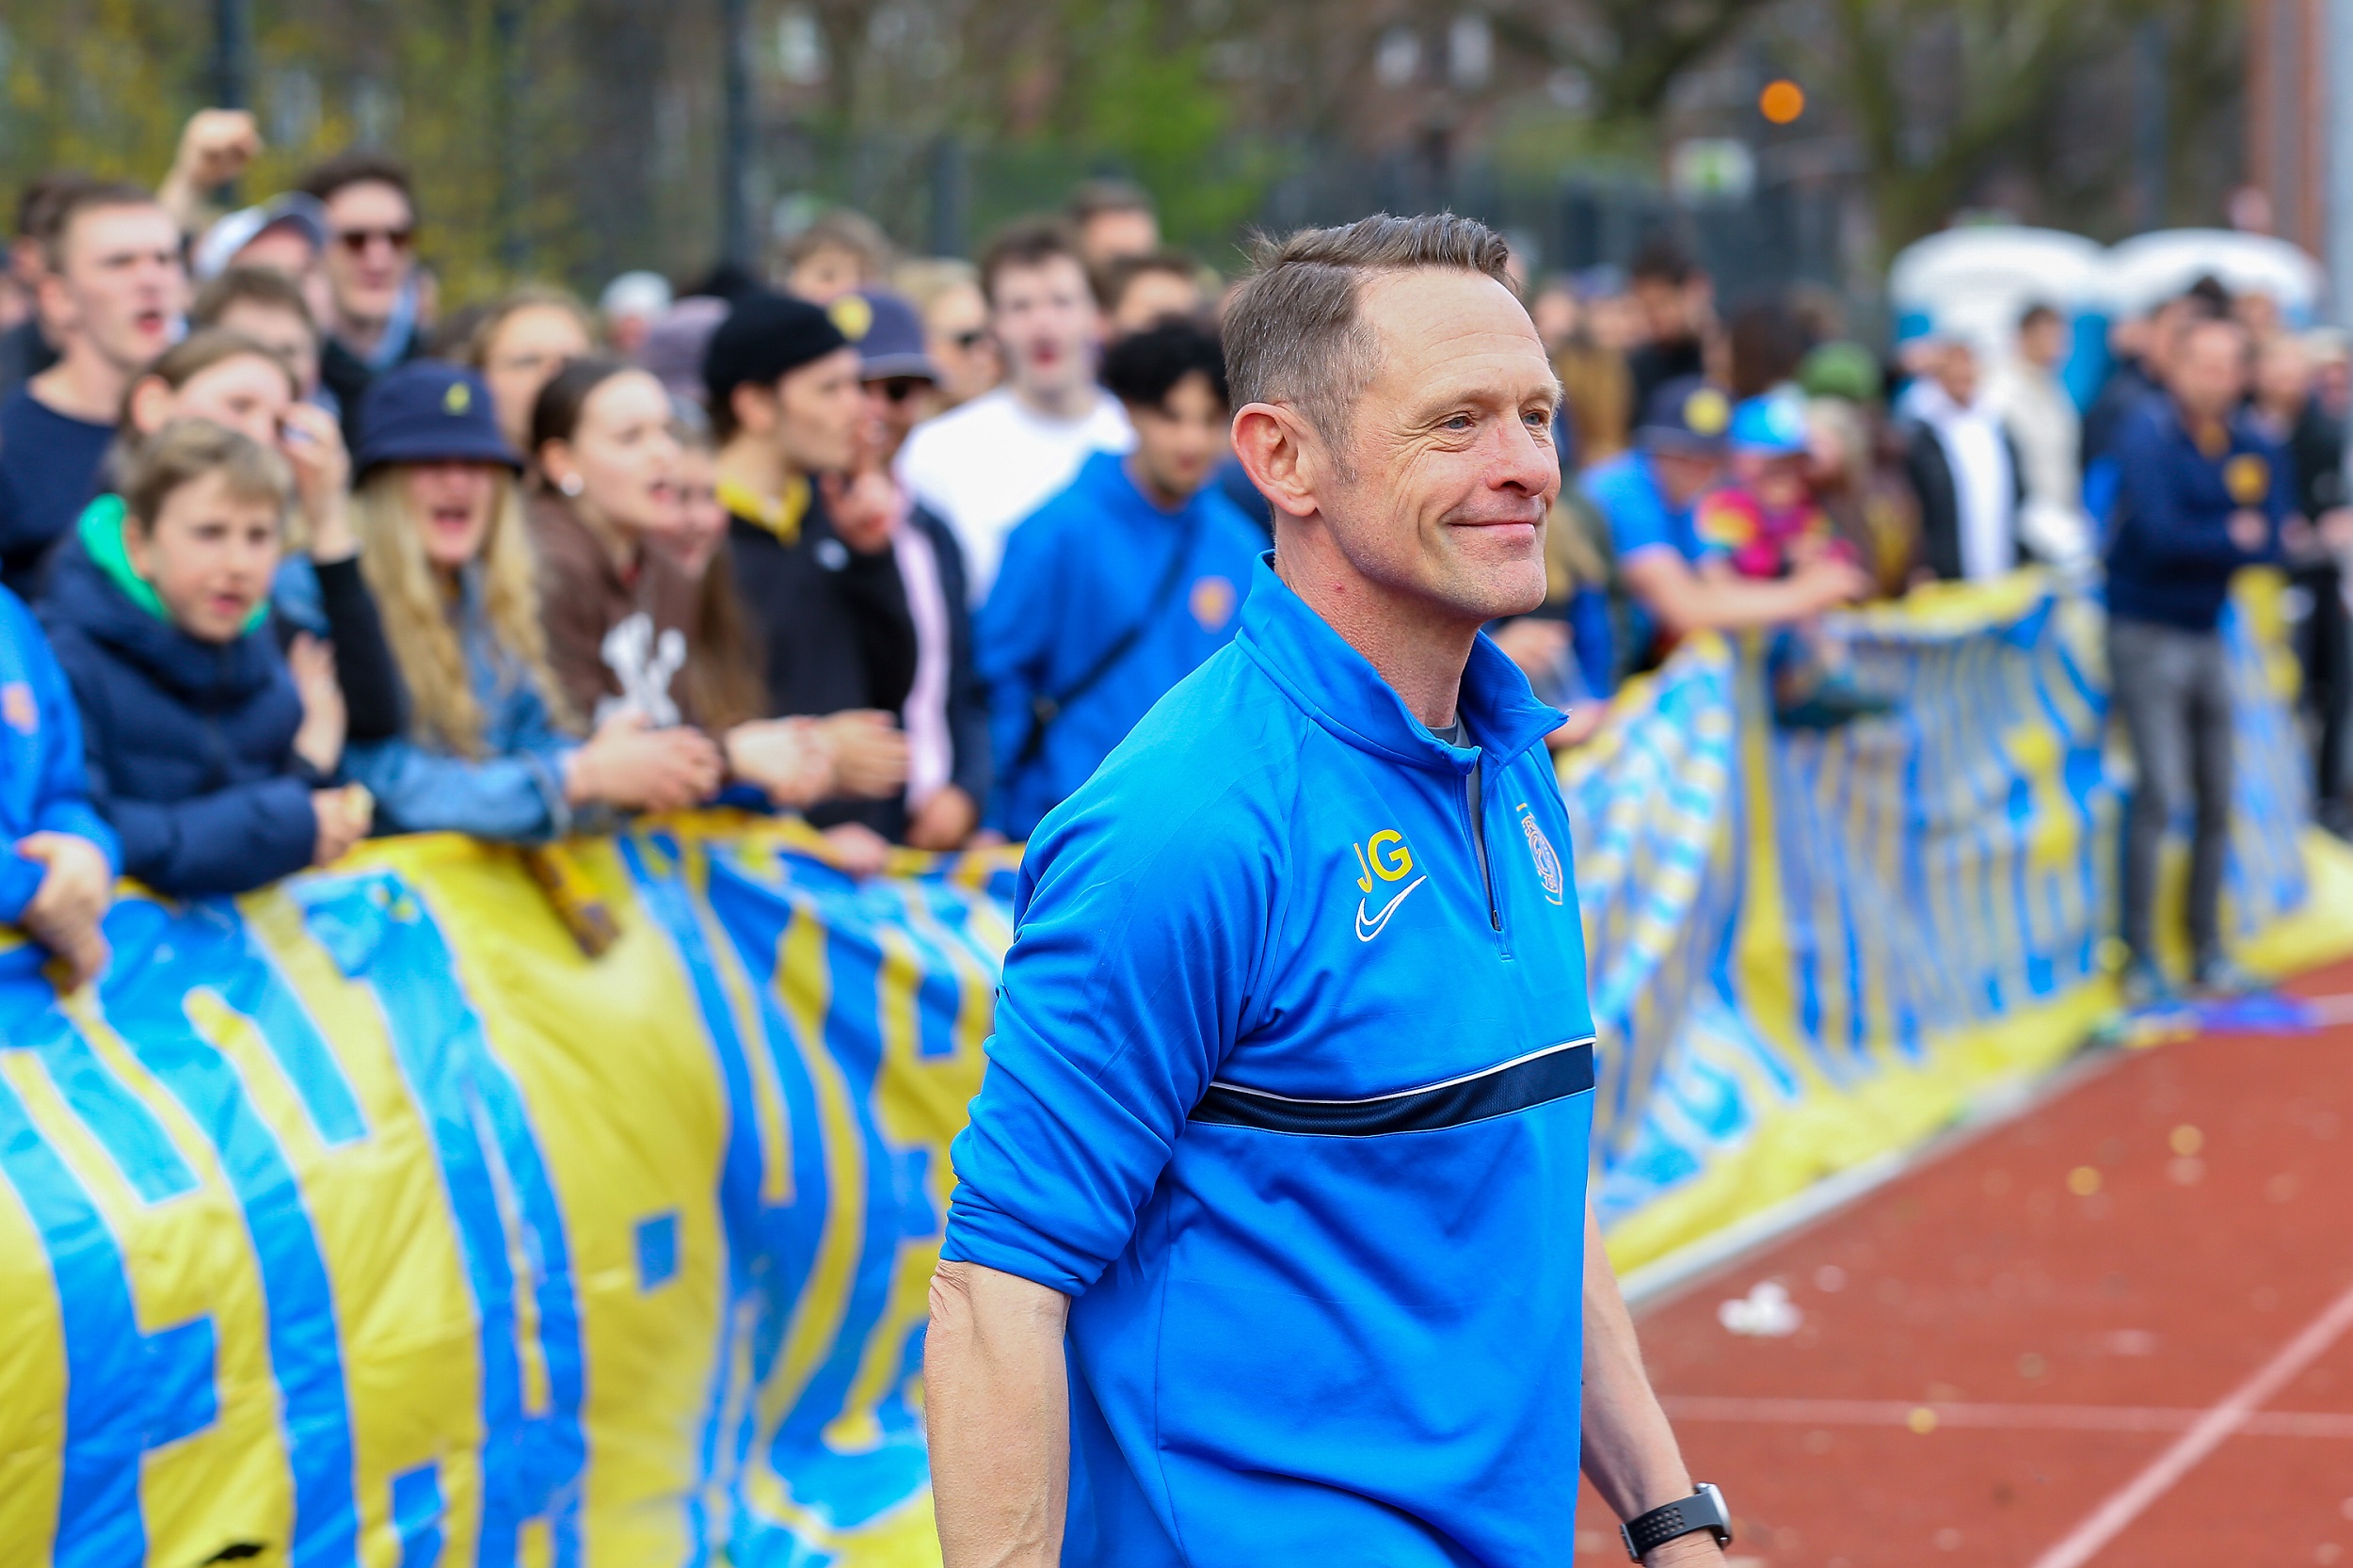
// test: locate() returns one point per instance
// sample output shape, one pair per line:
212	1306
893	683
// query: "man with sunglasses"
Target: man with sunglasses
371	215
946	714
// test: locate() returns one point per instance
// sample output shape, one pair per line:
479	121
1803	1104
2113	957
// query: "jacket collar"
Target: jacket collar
1338	688
80	594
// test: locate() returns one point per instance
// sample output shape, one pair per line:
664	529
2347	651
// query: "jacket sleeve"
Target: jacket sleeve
1140	936
518	798
229	841
1012	644
364	660
63	802
876	597
2156	525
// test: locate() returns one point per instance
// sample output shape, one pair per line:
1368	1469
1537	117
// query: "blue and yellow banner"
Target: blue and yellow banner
365	1222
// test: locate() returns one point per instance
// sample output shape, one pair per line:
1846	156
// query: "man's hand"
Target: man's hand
320	741
215	147
945	822
1832	579
76	887
791	760
312	444
1535	643
869	754
343	815
858	849
2249	530
629	764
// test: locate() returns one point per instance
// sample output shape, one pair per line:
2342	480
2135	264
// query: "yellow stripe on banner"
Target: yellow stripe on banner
188	1256
805	991
404	1311
32	1371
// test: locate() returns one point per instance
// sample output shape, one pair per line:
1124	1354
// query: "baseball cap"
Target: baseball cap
1686	414
888	333
430	412
765	337
635	293
1773	425
218	250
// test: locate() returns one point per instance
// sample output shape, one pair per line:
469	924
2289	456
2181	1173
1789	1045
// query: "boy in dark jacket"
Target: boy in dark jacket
208	751
58	875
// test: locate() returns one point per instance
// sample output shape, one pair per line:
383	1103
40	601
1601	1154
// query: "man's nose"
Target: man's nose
1526	463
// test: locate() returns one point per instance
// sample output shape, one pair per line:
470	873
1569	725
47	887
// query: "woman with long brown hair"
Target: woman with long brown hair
448	554
629	631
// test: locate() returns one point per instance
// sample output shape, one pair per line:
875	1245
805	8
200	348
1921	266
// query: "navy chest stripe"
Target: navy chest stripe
1554	1073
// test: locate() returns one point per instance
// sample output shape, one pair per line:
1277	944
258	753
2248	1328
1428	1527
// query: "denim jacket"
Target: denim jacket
514	791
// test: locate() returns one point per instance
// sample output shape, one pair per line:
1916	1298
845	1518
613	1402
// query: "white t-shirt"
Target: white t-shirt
985	465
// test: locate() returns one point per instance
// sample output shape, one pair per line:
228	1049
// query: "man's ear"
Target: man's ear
755	406
139	547
150	397
1283	456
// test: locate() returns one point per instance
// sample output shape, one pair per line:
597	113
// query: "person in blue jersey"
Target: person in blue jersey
1271	1242
2204	493
1119	588
57	872
1648	494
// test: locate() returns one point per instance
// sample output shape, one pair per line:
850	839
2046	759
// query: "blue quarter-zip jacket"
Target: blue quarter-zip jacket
1077	573
1293	1093
2171	554
42	786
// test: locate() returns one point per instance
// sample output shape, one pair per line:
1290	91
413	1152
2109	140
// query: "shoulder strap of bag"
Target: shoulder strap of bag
1045	708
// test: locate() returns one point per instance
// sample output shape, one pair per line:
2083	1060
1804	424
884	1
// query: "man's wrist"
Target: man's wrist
1697	1548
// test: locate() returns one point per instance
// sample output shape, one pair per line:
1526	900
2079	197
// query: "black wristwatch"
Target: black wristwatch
1704	1509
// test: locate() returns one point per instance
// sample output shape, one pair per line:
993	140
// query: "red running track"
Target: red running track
2117	1330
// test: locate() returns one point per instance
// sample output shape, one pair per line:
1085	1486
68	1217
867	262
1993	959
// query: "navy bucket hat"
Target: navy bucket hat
428	411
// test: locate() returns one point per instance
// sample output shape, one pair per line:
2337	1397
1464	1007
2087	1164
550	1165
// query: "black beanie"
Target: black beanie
766	336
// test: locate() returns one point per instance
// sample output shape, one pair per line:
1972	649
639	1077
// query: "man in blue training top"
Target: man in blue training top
1272	1235
2204	493
1647	496
1119	588
57	856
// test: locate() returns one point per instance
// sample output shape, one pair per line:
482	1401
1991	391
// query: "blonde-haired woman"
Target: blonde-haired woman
447	553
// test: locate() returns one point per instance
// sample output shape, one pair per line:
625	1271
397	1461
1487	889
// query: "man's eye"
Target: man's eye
1460	422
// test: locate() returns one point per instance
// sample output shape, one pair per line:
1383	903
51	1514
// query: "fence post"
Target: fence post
735	133
950	192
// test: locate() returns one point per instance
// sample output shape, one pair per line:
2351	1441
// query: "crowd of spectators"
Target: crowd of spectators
907	545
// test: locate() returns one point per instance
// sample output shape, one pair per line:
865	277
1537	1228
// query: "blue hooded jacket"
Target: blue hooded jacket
1077	573
190	744
1291	1091
42	788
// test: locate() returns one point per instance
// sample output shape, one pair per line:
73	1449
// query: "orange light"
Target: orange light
1781	101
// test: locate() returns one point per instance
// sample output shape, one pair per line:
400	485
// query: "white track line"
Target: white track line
2230	1415
2007	1417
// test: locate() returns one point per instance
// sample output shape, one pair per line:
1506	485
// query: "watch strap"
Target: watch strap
1704	1509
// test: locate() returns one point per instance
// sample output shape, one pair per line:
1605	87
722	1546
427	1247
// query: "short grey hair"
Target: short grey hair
1294	333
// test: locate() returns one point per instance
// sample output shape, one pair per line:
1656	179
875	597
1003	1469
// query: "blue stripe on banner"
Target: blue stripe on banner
145	1005
107	1415
125	1128
417	1516
181	1396
656	1250
531	1467
665	897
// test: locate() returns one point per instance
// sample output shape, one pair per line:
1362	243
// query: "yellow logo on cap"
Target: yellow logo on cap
1708	412
2247	478
853	315
458	399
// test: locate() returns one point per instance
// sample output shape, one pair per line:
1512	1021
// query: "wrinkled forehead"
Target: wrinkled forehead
1445	333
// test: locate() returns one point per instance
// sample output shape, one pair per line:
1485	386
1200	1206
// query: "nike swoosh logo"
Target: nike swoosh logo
1368	929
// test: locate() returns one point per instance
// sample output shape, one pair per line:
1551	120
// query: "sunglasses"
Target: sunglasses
898	389
357	241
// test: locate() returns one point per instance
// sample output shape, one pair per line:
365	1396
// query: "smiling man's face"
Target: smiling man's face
1448	462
